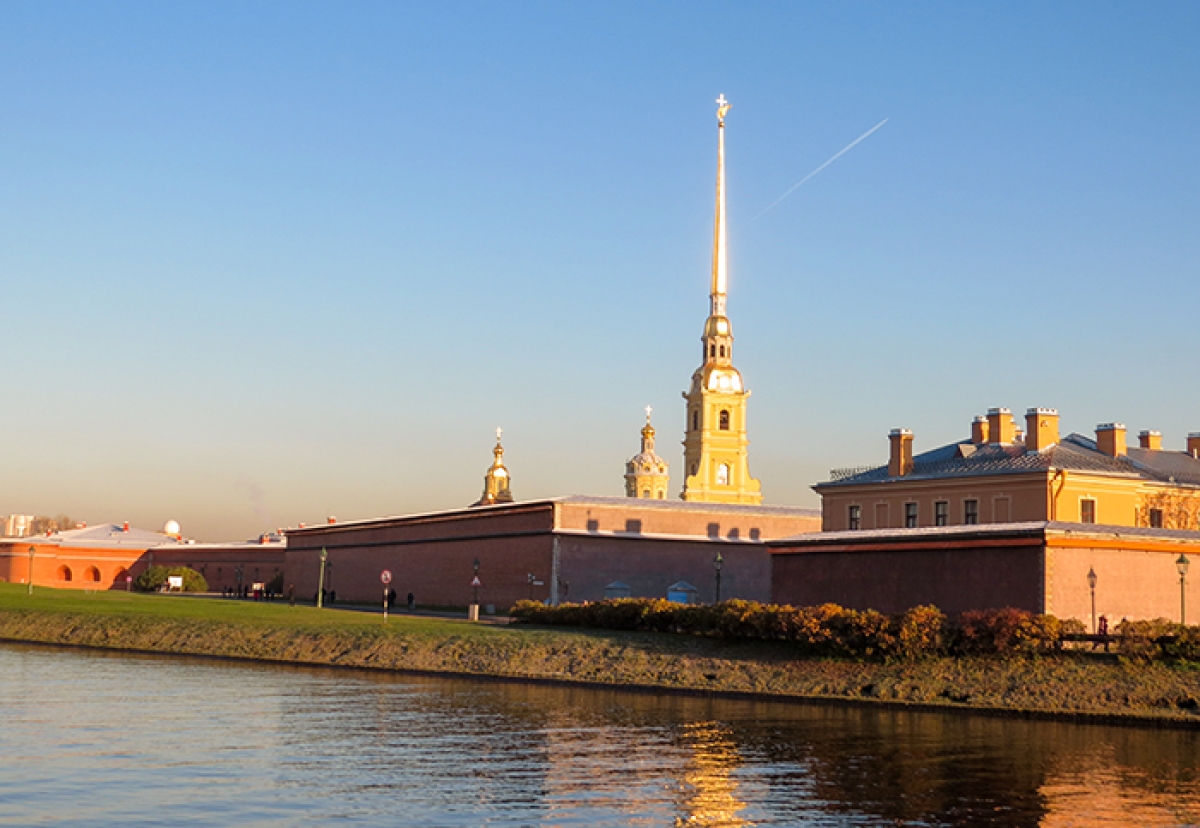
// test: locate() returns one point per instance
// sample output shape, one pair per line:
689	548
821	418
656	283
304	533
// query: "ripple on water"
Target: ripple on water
101	739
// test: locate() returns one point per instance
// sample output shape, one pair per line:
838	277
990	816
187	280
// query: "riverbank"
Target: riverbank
1068	685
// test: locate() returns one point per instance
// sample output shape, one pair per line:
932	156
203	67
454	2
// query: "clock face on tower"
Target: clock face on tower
727	380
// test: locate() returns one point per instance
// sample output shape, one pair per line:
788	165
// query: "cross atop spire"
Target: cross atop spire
648	410
722	107
499	434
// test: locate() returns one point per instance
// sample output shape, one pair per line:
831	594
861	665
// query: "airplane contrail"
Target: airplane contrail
838	155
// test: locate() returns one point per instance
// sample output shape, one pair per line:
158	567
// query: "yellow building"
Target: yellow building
646	474
1005	475
715	446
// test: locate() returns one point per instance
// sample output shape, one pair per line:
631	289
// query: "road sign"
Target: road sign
475	582
386	576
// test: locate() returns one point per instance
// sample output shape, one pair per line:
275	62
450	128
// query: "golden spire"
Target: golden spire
720	262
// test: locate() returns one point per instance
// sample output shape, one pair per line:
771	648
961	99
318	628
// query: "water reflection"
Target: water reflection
103	739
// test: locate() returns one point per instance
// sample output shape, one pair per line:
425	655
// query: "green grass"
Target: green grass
273	614
1068	683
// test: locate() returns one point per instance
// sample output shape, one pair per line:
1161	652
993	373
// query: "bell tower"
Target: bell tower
715	446
496	481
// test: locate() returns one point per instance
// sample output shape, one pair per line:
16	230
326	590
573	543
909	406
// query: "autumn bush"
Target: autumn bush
824	630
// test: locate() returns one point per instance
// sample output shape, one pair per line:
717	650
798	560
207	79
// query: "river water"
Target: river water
103	739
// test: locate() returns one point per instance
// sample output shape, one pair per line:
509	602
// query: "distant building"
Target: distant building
1006	518
18	526
95	557
646	474
106	555
555	550
1001	475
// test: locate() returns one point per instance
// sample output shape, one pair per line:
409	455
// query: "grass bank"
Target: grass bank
1067	684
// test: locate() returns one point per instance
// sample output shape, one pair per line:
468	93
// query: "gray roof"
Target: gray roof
983	530
106	535
1075	453
583	500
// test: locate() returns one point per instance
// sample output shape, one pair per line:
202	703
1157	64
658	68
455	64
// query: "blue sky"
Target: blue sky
265	262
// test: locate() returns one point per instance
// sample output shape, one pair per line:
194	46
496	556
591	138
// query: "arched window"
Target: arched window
712	350
645	493
722	350
92	574
724	421
723	474
662	495
695	420
64	573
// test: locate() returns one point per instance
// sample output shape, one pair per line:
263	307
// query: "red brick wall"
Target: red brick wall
589	563
52	562
219	565
437	572
894	580
634	516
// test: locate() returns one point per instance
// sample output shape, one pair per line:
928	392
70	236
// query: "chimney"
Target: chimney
1041	428
125	527
1151	440
1110	439
331	519
1194	444
1001	428
979	430
900	462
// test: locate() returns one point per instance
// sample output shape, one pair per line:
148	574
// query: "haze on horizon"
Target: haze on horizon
266	263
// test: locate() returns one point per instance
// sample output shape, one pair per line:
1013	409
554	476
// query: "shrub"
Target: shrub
921	633
825	630
155	576
1006	631
1156	638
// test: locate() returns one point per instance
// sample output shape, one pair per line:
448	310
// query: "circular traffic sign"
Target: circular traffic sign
386	576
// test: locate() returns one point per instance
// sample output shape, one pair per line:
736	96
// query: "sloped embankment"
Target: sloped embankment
1061	685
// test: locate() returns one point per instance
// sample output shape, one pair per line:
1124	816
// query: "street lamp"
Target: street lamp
1181	564
1091	576
718	563
32	551
475	583
321	579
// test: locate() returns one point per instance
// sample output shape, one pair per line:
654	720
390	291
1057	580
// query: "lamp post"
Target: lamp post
475	583
32	551
1181	564
1091	576
321	579
718	563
